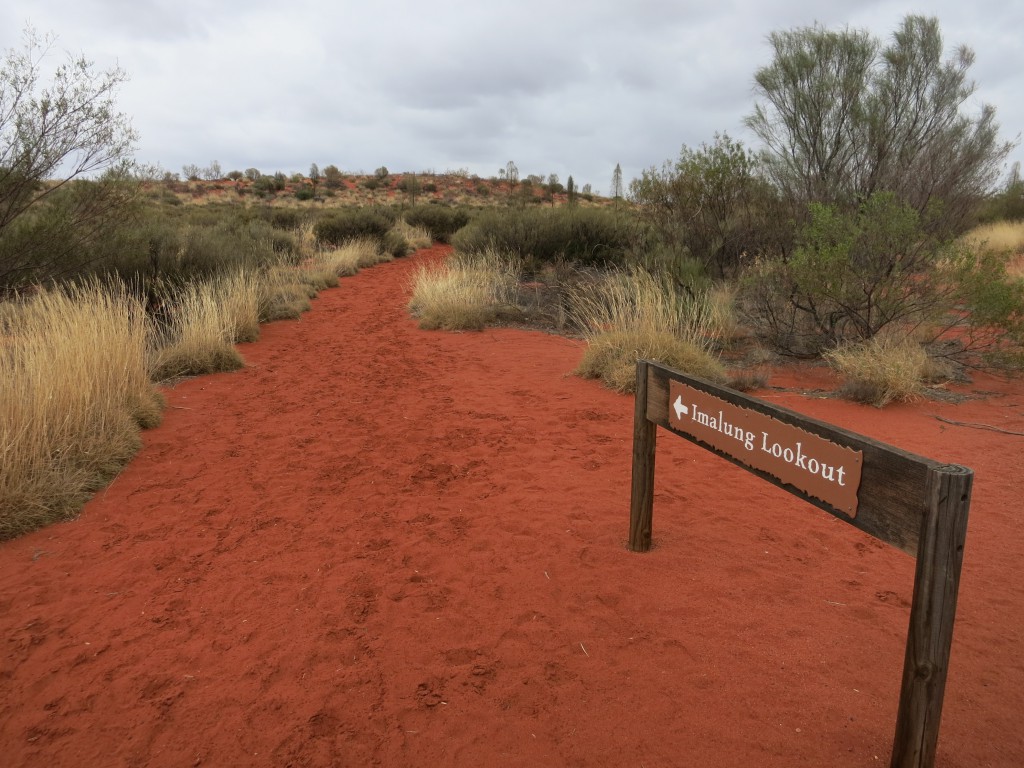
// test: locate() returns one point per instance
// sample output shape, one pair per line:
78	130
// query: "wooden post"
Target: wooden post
939	557
641	505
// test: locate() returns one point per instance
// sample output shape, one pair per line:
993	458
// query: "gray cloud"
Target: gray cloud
570	87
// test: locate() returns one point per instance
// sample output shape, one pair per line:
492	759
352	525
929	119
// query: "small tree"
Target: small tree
512	176
213	172
191	171
57	134
252	174
712	206
570	191
617	183
314	177
411	186
332	177
843	117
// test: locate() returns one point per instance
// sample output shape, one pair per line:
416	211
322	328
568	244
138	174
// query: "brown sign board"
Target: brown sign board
818	467
911	502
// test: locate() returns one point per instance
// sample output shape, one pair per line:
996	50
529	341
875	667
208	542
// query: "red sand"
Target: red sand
378	545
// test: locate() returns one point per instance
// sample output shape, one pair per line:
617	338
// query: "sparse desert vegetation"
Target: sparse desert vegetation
714	261
466	292
626	316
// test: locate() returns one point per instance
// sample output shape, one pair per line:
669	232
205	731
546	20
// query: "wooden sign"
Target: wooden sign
916	504
819	467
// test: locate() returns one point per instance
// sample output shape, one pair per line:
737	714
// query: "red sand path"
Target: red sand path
378	545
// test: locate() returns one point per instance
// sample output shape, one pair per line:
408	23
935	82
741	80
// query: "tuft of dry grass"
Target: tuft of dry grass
346	260
1003	237
417	237
239	296
74	390
464	293
999	236
281	295
628	316
886	368
202	329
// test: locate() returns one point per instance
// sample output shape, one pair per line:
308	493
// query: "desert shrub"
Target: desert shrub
851	276
712	206
627	316
587	236
74	388
284	218
441	221
304	193
465	293
352	223
882	369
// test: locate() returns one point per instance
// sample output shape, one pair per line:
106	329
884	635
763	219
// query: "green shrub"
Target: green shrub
284	218
854	274
587	236
348	224
441	221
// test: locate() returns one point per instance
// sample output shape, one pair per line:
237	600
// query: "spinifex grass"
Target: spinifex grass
883	369
74	389
627	316
417	237
464	293
999	235
203	327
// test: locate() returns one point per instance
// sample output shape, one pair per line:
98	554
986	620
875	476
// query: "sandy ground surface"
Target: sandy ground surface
378	545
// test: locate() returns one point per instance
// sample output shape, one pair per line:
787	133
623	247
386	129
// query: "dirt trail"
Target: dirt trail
383	546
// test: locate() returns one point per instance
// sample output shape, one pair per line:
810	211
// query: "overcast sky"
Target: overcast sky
557	86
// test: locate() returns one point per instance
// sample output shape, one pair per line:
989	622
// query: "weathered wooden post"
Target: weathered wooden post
940	554
645	435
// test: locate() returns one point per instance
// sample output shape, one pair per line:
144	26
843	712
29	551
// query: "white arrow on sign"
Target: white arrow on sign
681	410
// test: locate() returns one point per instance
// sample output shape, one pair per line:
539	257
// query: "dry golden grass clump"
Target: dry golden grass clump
74	390
999	236
347	259
886	368
202	326
1003	237
281	295
465	292
417	237
628	316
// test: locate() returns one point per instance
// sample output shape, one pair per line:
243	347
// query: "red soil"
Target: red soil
378	545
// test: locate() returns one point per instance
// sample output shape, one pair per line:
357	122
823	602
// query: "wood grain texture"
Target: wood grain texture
933	611
641	510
